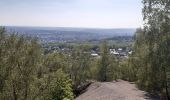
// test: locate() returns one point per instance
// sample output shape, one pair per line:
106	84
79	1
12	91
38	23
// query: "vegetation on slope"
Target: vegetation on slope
28	73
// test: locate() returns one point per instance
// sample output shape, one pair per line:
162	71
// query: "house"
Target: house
113	51
130	52
94	54
120	49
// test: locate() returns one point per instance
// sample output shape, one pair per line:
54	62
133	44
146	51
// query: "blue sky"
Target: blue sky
72	13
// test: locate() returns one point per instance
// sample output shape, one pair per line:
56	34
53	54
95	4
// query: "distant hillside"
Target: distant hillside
63	34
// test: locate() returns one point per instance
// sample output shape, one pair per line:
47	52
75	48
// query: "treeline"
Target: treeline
149	66
28	73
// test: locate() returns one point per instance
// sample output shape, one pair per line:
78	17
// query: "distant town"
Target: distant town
94	52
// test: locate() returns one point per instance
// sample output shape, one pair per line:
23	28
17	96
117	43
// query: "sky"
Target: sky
72	13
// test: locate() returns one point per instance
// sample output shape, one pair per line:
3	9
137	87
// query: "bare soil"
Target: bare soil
120	90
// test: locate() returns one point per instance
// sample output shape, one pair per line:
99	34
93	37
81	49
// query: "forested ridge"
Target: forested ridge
28	73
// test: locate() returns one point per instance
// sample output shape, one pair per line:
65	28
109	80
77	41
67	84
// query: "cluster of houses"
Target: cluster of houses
119	52
56	48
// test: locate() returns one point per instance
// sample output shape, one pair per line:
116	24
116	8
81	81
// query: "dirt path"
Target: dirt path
121	90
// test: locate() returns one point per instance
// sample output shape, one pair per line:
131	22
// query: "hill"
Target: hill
63	34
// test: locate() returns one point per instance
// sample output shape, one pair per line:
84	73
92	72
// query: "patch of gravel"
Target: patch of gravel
120	90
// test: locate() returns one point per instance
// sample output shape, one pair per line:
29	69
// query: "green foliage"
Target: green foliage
151	57
80	69
107	66
26	74
128	69
60	88
19	58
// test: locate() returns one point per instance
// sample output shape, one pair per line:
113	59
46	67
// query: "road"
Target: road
121	90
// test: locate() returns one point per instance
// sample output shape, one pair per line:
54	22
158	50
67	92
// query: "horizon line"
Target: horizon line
68	27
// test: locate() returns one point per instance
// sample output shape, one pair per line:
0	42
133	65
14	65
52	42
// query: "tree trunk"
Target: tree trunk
166	85
14	92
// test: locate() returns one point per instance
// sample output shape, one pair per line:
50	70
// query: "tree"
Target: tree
107	64
60	88
80	66
152	48
24	73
